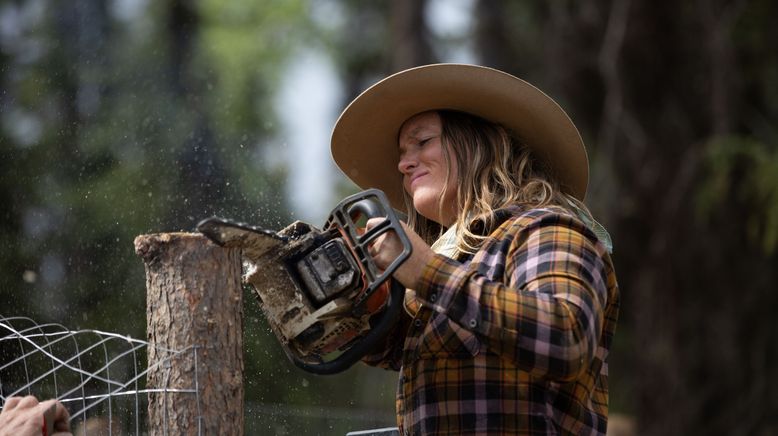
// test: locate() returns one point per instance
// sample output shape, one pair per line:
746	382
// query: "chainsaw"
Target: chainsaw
320	290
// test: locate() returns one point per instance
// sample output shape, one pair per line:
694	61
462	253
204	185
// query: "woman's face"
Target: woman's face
424	168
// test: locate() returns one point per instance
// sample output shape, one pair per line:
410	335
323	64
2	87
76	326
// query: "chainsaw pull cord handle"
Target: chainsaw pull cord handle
373	204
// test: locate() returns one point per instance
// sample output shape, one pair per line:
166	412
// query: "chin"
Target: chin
426	205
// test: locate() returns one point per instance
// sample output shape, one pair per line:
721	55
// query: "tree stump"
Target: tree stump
194	313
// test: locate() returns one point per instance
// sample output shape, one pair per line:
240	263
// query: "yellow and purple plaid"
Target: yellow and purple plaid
513	339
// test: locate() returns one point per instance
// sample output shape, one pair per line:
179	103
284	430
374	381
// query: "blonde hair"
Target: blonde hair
494	171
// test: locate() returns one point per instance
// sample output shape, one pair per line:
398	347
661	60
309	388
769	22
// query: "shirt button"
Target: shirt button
417	322
433	297
473	323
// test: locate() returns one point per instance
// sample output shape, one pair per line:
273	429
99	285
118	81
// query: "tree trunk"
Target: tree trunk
195	331
409	35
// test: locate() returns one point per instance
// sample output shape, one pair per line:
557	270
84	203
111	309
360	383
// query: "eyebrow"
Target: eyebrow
415	132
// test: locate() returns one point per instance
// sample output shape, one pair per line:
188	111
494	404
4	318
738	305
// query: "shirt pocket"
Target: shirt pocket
445	338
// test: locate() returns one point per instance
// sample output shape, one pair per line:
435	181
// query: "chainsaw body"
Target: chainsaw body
319	289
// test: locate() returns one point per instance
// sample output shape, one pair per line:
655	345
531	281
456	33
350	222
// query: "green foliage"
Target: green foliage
244	46
743	173
116	149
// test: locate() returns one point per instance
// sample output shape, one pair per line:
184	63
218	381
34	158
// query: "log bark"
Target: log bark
195	332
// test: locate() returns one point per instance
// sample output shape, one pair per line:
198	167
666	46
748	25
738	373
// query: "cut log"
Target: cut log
194	310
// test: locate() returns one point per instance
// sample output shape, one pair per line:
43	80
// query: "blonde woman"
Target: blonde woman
511	300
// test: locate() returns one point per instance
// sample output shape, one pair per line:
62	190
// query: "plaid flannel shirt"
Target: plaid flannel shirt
513	339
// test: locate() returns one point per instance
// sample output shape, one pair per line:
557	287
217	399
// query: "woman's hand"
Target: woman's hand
388	246
23	416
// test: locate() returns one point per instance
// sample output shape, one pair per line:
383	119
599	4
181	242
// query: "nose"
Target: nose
407	163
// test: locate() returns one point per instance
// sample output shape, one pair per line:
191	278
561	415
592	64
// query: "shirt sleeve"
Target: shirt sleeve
388	354
546	314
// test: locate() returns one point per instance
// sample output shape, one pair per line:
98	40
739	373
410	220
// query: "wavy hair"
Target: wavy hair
495	170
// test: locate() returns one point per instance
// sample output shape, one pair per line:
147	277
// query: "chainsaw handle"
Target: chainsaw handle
367	207
364	345
373	203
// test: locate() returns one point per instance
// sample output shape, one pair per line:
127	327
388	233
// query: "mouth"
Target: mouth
412	180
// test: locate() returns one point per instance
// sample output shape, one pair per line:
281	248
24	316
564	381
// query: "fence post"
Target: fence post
193	302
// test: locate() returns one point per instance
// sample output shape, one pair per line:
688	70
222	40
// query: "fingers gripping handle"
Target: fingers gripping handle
371	203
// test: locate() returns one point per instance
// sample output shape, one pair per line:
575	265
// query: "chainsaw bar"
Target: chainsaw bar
254	241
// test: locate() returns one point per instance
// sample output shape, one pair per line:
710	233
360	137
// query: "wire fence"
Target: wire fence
99	376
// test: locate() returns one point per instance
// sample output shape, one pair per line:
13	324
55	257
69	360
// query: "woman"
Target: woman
511	311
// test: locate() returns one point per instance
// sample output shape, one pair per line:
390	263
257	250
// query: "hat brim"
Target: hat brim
364	139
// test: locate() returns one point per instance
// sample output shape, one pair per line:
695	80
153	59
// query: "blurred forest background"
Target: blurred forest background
123	117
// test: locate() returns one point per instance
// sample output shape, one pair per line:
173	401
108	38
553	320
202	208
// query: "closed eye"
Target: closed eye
422	142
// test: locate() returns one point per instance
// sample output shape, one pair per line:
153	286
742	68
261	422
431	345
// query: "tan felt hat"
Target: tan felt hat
364	140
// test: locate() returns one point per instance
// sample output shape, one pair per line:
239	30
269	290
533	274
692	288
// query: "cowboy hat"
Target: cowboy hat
364	139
